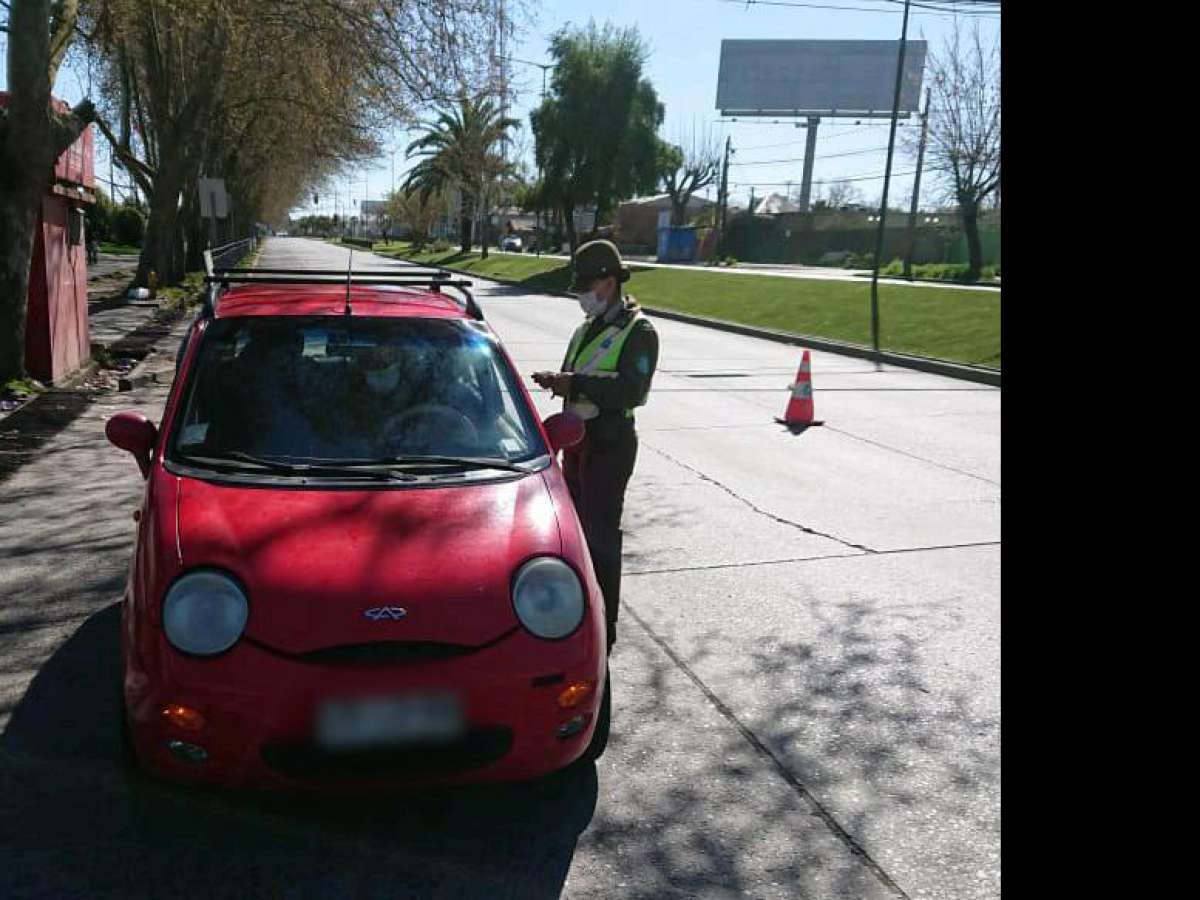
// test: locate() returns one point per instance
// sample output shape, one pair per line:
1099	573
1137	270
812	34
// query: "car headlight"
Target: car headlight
548	597
204	613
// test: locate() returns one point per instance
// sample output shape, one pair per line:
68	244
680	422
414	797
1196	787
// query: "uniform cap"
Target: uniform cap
598	259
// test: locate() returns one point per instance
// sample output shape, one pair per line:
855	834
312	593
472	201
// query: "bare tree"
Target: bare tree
197	85
689	167
964	127
34	132
841	193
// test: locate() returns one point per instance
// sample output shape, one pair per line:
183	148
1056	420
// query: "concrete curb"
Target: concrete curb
962	371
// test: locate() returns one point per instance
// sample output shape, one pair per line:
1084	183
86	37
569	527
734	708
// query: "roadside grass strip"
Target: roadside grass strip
943	323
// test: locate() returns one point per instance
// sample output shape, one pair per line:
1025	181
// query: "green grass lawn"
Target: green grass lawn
120	249
945	323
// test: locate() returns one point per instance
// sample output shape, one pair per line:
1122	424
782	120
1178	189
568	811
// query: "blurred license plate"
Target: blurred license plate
377	721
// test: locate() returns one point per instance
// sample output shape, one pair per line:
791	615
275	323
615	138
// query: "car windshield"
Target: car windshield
352	391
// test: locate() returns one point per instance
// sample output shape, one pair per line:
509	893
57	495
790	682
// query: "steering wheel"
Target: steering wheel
460	428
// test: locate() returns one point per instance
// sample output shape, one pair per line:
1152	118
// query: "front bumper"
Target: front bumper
259	708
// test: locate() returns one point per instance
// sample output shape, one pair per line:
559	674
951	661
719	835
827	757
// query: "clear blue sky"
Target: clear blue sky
685	39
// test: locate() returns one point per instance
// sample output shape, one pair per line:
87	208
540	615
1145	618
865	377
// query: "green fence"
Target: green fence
769	240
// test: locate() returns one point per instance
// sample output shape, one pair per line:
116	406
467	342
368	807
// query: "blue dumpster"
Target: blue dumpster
677	244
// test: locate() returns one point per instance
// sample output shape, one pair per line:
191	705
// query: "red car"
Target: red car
357	562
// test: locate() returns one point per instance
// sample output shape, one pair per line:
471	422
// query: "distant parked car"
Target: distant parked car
511	243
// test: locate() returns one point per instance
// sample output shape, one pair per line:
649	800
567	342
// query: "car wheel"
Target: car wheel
603	724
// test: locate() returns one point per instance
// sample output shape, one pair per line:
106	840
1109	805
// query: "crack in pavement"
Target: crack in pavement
803	559
758	509
931	462
781	768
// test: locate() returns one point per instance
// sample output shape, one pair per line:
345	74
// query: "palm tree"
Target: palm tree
457	151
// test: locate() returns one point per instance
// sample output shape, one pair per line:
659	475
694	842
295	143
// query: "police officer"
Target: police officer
606	374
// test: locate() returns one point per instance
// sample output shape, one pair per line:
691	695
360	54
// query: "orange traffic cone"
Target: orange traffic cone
799	412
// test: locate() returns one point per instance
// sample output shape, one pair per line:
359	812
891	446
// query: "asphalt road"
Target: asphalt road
806	683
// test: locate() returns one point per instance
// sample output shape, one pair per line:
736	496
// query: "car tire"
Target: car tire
603	724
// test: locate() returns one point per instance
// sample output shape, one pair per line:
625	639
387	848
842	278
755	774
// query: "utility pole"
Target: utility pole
887	178
912	212
537	212
723	198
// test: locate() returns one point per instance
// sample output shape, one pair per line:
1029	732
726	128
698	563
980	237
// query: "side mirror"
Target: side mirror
564	430
134	433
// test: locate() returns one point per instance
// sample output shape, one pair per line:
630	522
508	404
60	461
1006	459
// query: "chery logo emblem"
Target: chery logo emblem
383	613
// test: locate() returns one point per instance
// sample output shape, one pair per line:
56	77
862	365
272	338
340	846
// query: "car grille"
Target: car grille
378	653
309	762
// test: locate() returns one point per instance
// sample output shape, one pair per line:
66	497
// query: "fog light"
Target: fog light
572	727
188	752
183	717
574	694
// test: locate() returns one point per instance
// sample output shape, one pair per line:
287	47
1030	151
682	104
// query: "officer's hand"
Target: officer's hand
558	383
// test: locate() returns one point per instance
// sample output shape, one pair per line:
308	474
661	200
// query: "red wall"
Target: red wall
57	341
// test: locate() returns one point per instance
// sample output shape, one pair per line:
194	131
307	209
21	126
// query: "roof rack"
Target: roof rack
435	279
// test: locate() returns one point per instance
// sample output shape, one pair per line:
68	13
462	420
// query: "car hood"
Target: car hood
314	562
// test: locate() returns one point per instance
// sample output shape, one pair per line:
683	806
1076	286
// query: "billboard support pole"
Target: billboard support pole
810	153
887	177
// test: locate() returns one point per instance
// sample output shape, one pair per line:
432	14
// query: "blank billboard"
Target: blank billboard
817	77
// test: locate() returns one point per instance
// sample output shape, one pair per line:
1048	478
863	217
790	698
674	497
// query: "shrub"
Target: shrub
441	245
128	226
895	267
950	272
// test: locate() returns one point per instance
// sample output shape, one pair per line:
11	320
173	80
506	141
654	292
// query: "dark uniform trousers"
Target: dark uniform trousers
597	470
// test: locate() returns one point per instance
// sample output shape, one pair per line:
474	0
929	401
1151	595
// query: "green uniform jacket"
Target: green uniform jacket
635	370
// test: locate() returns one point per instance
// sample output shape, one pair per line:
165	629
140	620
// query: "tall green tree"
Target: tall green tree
458	152
34	132
596	133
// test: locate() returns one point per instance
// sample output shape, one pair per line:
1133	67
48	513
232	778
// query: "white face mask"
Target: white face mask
385	380
590	303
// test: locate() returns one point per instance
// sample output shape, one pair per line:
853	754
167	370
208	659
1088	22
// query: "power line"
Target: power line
848	178
770	162
800	5
828	133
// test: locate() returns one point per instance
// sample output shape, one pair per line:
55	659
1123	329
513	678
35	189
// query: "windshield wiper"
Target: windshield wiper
474	462
297	468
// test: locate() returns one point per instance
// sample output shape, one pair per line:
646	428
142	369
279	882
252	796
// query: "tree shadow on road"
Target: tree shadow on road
886	758
75	820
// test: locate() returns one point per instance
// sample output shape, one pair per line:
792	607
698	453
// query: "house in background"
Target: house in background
638	220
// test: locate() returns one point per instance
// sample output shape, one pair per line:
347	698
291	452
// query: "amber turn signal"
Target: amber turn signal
183	717
574	694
